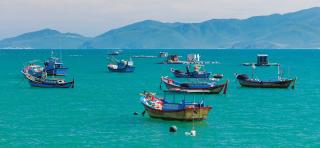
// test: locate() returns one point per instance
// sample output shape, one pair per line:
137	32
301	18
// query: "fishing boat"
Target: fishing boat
262	60
187	74
164	108
163	54
194	87
49	83
121	66
54	66
114	53
34	70
245	81
172	59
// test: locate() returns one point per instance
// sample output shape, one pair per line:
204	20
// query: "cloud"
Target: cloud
91	17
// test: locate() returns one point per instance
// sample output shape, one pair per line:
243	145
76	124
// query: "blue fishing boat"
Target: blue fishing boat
190	74
34	70
49	83
194	87
54	67
121	66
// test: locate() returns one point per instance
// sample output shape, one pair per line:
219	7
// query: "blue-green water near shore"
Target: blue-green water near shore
98	112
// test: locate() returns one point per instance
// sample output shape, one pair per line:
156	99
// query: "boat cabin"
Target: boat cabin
173	58
262	59
193	57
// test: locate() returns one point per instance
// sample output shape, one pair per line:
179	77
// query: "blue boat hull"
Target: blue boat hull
48	85
127	69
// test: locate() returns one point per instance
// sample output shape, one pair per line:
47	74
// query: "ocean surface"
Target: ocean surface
98	112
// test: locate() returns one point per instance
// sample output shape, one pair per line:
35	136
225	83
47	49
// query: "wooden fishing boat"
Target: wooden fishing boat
172	59
162	108
245	81
49	83
193	74
194	87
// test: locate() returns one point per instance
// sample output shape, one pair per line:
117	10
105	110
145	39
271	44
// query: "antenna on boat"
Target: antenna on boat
51	53
279	75
60	55
193	131
253	68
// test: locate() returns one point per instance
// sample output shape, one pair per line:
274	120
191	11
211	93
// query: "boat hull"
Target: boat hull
265	84
171	86
127	69
187	114
51	85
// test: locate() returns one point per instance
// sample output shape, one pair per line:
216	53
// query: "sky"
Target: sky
94	17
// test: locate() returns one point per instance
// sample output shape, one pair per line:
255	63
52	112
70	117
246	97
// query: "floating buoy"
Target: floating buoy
225	87
173	129
191	133
135	113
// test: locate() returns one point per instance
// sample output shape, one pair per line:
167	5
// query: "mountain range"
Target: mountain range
299	29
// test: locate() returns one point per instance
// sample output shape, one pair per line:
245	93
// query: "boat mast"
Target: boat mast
253	68
279	76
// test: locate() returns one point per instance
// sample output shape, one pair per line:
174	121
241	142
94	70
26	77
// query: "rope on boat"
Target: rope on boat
144	111
294	82
225	87
160	84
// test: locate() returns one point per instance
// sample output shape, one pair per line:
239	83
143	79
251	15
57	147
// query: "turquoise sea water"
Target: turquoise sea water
98	112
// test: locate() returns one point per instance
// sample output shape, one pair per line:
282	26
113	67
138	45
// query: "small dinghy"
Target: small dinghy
164	108
194	87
